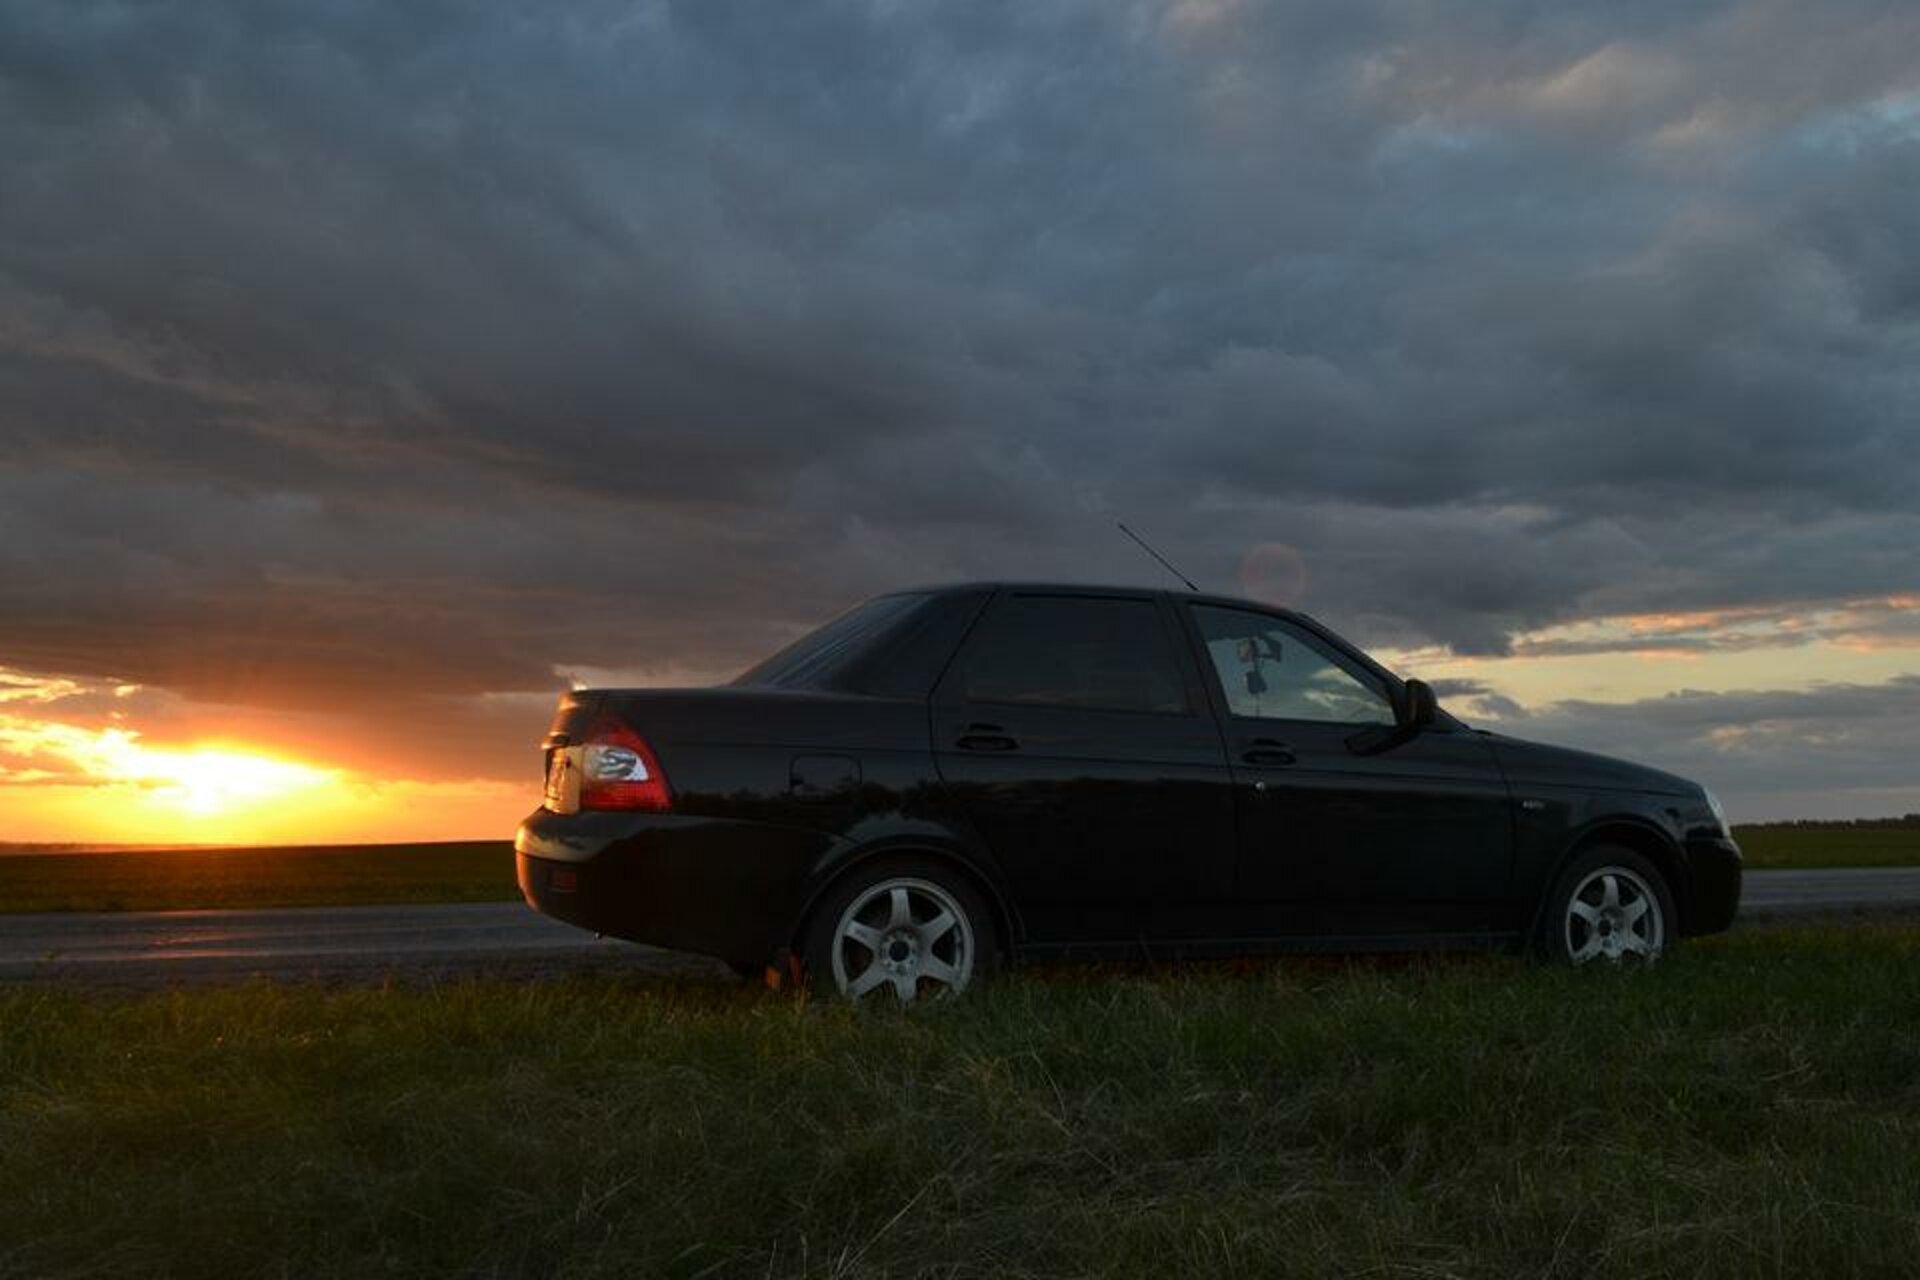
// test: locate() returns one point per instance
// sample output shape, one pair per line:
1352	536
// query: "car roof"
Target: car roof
1096	589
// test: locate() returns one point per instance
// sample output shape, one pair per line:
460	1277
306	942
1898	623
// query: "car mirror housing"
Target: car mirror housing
1419	708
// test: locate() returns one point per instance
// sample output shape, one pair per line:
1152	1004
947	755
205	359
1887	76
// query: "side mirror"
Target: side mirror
1256	683
1419	708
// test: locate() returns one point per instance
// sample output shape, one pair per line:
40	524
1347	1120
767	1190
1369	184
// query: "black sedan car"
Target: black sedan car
941	782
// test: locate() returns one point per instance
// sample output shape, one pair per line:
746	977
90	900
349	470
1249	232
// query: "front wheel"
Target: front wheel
1610	904
900	931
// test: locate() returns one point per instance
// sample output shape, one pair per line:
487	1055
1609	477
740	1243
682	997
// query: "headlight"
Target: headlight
1719	814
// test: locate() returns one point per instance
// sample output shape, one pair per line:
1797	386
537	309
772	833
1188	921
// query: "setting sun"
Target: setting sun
76	782
199	779
210	780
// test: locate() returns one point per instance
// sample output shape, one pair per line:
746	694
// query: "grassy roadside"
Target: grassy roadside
291	876
1749	1108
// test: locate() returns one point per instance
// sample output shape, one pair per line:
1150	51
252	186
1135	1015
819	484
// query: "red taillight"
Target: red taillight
618	770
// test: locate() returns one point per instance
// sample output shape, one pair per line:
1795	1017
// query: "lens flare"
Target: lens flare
1273	573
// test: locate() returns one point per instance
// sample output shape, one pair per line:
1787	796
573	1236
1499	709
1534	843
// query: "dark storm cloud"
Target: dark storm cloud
350	348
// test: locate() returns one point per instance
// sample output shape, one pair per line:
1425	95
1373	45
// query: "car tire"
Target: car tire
1608	904
900	930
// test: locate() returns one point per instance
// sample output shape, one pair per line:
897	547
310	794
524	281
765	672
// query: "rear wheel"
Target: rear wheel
900	931
1610	904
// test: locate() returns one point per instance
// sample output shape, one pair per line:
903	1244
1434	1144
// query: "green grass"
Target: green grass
1865	846
1749	1108
294	876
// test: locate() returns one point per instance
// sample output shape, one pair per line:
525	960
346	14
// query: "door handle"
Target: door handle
985	737
1267	751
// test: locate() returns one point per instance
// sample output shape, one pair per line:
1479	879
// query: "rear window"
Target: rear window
832	656
908	661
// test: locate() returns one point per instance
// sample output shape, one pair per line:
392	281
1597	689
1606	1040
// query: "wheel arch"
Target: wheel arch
964	864
1628	831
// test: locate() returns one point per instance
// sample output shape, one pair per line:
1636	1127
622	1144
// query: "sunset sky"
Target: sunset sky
370	372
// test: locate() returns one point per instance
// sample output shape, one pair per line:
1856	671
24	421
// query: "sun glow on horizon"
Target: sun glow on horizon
204	778
207	779
66	781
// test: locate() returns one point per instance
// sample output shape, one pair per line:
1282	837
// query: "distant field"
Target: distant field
482	871
1748	1108
1888	846
292	876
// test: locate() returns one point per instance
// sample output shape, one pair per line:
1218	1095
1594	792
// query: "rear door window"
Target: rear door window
1093	653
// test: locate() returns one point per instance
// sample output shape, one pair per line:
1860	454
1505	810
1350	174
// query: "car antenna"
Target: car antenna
1166	563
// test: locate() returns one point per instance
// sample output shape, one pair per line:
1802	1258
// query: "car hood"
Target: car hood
1538	764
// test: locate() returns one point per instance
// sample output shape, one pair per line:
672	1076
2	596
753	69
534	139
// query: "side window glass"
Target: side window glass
1270	670
1071	651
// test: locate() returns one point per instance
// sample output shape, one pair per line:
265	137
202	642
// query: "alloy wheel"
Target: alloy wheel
903	935
1613	914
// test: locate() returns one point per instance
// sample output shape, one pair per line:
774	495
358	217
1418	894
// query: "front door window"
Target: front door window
1271	671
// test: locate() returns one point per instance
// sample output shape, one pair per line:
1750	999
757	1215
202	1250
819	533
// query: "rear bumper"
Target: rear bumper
710	886
1714	866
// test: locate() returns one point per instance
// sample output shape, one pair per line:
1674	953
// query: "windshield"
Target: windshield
817	659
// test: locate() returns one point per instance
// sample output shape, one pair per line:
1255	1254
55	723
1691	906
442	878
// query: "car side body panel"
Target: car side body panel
1092	814
1353	832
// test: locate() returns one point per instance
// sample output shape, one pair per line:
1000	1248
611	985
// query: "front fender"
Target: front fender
1648	825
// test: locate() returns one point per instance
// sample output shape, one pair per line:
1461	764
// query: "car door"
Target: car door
1073	729
1347	825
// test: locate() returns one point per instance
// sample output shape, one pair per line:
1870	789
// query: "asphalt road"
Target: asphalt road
327	944
423	943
